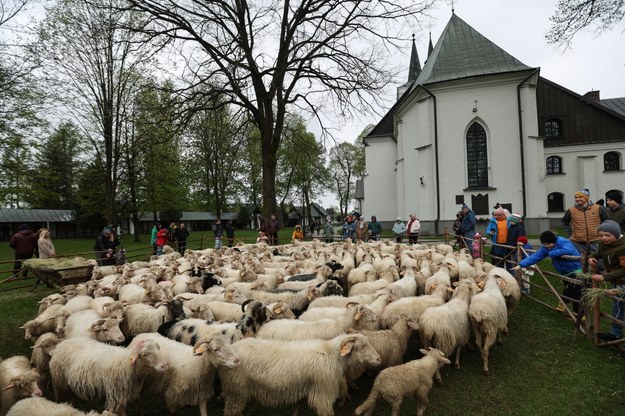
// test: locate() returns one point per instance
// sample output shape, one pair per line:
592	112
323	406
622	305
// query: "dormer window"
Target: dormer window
553	128
612	161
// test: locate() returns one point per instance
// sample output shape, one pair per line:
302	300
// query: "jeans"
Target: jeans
218	242
618	311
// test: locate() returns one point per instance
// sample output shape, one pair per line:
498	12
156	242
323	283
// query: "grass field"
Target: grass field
539	370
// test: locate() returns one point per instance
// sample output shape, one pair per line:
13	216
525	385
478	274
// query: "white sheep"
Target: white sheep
17	381
413	378
489	317
40	358
186	284
278	373
406	286
365	272
78	303
413	306
509	288
368	320
89	324
133	293
39	406
93	370
441	276
53	299
140	318
190	379
42	323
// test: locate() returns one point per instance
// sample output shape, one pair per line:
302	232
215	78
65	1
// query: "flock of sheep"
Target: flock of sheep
278	325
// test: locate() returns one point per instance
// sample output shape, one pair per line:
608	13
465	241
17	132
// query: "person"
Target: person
477	246
516	229
104	247
505	210
318	226
399	228
182	233
361	229
523	245
328	231
349	228
298	234
273	226
615	210
153	236
162	237
24	242
580	222
312	227
457	228
173	235
374	228
218	231
612	252
498	231
565	259
413	228
467	226
262	238
45	245
230	233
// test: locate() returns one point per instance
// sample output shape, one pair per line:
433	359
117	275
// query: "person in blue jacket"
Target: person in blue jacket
565	259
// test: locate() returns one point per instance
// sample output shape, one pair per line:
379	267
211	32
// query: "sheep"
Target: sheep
17	381
365	272
40	358
280	310
133	293
292	330
141	318
42	323
447	327
440	277
311	370
53	299
189	381
225	312
75	304
489	317
369	319
89	324
93	370
510	289
412	306
406	286
414	378
107	307
368	287
186	284
297	301
40	406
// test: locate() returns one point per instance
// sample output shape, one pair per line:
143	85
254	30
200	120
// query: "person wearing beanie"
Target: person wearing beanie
516	229
467	225
580	222
612	252
24	242
399	229
565	259
615	209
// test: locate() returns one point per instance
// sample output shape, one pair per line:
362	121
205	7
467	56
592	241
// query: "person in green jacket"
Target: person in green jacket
615	209
612	252
374	229
155	229
328	231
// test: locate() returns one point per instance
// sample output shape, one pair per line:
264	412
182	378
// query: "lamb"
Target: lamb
406	286
107	307
17	381
42	323
225	312
79	303
311	370
447	327
133	293
40	406
189	381
510	289
489	317
440	277
369	319
186	284
297	301
93	370
89	324
412	306
53	299
40	358
365	272
395	383
141	318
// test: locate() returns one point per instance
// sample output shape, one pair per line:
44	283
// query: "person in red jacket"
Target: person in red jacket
24	243
162	237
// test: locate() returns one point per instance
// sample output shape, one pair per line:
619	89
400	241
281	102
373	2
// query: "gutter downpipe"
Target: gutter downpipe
518	96
438	184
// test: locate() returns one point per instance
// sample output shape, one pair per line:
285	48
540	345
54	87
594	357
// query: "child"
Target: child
297	233
262	238
520	255
612	251
477	246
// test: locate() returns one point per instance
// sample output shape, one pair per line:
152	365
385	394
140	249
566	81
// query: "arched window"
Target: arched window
553	128
554	165
555	202
612	161
477	156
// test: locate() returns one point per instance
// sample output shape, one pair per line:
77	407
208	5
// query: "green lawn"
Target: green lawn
539	370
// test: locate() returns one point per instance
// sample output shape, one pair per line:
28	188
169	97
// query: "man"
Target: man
375	228
467	225
23	242
218	231
581	221
104	247
181	236
413	228
273	226
399	228
615	209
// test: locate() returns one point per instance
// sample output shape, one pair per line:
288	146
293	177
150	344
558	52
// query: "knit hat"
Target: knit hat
548	237
398	219
615	196
515	218
522	239
465	206
584	193
611	227
500	211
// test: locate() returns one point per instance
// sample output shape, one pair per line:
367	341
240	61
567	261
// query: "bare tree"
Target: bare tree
265	56
571	16
347	163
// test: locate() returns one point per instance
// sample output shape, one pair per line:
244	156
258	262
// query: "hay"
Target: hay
591	296
68	269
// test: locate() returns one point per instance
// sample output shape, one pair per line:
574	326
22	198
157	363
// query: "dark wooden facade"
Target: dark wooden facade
584	120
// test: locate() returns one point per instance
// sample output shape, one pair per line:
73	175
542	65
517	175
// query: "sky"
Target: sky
593	62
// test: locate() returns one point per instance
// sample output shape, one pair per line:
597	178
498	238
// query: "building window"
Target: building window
553	128
477	156
555	202
554	165
612	161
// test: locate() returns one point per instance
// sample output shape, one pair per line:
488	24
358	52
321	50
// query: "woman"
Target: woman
361	229
297	234
46	247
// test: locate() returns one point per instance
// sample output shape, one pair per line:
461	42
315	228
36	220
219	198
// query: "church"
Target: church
476	126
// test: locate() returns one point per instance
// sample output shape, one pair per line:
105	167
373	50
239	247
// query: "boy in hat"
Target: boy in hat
516	229
581	221
612	252
614	208
399	228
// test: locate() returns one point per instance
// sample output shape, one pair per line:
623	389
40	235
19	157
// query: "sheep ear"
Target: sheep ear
502	284
277	308
97	325
136	352
200	348
444	360
346	347
423	351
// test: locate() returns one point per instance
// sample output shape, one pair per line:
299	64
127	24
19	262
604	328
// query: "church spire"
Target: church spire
415	65
430	46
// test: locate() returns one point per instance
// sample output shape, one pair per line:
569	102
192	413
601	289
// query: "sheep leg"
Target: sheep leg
422	403
458	350
439	379
368	405
396	405
202	408
488	342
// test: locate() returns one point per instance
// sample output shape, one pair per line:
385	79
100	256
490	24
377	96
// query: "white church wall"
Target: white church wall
380	179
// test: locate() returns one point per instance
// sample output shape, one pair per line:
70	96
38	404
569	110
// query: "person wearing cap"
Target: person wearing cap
374	228
612	252
615	209
104	248
399	229
565	259
349	228
24	242
328	231
580	222
412	228
516	229
498	231
467	226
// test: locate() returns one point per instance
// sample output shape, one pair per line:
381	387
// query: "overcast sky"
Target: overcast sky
594	62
